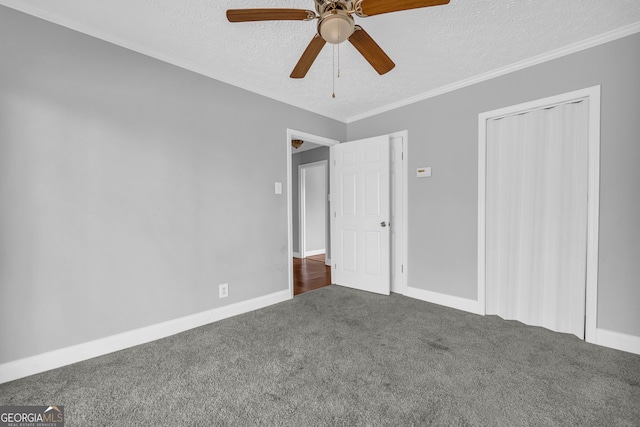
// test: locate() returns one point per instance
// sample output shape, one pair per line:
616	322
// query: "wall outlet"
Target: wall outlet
423	172
223	290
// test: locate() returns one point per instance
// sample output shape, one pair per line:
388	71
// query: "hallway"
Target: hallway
310	273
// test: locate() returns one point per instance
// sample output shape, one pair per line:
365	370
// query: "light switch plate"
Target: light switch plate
278	188
423	172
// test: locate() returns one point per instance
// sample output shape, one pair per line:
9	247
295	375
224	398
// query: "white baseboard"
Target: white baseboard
615	340
464	304
327	261
65	356
314	252
618	341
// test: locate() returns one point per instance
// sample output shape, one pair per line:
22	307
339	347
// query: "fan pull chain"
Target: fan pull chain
333	71
338	60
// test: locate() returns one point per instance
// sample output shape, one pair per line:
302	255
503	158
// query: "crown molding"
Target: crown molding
190	66
554	54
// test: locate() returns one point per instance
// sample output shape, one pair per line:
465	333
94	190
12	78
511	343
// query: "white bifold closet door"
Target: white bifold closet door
536	217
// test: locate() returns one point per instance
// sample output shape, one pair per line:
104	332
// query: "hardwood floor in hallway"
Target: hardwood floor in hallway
310	273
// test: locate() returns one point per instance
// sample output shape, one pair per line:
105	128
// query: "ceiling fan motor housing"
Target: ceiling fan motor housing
323	6
336	26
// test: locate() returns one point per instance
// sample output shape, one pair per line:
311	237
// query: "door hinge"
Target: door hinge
402	155
402	268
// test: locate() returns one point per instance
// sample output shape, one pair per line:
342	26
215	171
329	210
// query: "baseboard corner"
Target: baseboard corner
618	341
464	304
315	252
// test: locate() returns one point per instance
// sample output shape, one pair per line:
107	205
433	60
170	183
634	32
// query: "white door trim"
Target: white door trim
593	95
295	134
302	206
401	243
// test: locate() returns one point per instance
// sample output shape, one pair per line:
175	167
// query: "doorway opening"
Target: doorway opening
313	216
398	145
307	207
311	266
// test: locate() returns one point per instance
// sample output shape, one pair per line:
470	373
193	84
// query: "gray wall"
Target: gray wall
443	133
303	158
127	196
126	191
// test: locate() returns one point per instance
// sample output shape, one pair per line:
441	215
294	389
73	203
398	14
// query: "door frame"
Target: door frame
401	188
403	246
302	209
592	94
320	140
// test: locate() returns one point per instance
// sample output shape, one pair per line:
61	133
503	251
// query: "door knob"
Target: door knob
383	224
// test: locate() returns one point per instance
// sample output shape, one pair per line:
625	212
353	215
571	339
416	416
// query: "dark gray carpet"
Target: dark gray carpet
341	357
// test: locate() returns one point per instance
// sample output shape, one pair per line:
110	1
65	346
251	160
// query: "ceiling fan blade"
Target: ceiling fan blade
371	51
248	15
377	7
306	60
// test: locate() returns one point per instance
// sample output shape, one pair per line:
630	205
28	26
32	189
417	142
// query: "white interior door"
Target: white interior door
360	210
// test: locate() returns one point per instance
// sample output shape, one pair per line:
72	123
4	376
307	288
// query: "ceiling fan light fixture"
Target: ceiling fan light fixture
336	26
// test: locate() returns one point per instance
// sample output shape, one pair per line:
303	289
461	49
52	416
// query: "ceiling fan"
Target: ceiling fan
335	25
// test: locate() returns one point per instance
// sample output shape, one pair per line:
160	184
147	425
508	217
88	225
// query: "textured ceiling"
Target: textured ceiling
432	47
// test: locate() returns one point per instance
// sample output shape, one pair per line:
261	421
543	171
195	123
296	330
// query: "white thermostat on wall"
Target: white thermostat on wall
423	172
